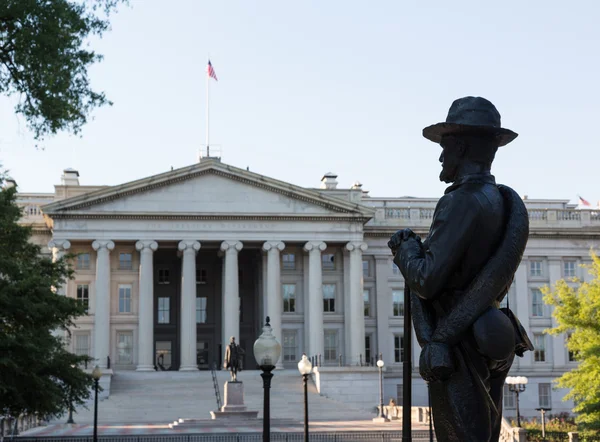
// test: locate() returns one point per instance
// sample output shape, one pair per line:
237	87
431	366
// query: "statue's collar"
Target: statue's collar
483	178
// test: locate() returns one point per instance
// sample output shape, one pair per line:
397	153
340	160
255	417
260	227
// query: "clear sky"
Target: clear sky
344	86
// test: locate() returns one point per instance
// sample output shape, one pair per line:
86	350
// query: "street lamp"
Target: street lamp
381	417
543	411
96	374
517	385
267	351
305	368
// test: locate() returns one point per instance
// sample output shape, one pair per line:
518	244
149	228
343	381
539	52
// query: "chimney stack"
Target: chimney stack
70	177
329	181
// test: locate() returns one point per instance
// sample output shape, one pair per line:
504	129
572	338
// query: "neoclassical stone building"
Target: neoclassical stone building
172	265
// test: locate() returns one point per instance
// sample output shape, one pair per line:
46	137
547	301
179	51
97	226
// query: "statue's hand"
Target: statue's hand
436	362
398	237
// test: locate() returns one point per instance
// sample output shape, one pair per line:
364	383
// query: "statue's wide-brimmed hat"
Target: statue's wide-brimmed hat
468	115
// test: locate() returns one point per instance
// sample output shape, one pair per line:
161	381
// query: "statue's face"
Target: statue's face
451	158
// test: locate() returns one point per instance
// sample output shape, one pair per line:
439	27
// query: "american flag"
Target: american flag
583	202
211	71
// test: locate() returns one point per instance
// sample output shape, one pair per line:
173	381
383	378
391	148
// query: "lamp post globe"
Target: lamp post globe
305	369
380	363
266	352
96	375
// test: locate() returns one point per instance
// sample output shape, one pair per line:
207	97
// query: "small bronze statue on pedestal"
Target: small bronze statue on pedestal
458	276
233	358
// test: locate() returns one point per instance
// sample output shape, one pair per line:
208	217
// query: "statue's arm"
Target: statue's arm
427	268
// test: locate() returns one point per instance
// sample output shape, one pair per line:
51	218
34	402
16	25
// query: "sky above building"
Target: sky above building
342	86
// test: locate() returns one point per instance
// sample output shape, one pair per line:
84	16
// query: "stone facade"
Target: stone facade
172	265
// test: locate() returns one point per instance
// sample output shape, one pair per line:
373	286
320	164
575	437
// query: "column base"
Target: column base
145	368
188	368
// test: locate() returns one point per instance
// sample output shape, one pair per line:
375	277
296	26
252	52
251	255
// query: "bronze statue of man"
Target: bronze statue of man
233	356
462	271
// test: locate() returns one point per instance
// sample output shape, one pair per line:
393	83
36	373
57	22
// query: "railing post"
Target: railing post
108	362
340	358
319	360
360	359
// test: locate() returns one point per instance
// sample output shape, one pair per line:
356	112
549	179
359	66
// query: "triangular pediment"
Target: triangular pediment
209	188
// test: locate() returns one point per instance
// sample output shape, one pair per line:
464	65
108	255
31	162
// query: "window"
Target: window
537	303
328	260
539	342
289	298
571	355
201	276
535	268
83	295
164	276
201	310
331	337
367	349
289	261
83	261
125	298
290	346
398	303
125	261
545	395
395	270
125	348
329	298
367	303
399	393
509	398
504	302
398	348
365	269
82	344
569	269
164	310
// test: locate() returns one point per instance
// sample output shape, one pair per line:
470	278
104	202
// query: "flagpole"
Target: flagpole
207	112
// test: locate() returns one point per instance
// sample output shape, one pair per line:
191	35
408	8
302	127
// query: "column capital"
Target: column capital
273	245
61	244
103	244
356	246
315	245
149	245
188	245
231	245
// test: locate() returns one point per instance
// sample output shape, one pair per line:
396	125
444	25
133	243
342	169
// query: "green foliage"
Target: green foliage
577	312
44	59
37	374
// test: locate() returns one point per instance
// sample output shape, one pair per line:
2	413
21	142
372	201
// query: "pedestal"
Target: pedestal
233	397
233	407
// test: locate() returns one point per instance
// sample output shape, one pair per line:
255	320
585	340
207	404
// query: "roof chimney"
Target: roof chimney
70	177
329	181
9	182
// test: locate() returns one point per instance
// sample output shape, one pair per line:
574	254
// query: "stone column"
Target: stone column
231	293
275	301
58	247
146	306
102	302
383	305
315	298
559	352
354	298
188	305
522	309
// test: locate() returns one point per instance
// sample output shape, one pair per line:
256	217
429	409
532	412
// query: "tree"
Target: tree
37	374
44	58
577	312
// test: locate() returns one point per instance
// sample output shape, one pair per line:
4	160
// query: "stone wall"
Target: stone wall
358	386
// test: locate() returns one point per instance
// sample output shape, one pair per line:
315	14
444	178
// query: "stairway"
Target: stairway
163	397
